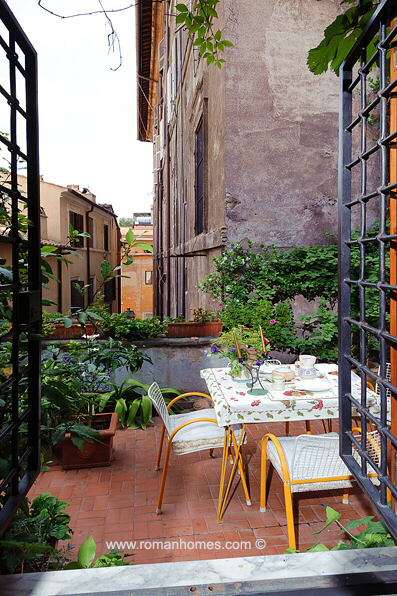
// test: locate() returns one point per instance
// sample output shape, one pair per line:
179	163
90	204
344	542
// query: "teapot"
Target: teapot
307	370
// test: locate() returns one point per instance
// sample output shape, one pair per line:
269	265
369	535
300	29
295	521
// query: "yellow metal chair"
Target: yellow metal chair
305	463
191	432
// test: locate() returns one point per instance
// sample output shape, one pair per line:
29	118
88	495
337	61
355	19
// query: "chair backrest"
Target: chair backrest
388	378
317	457
373	448
157	400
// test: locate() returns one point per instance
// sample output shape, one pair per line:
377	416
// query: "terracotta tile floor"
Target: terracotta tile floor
118	503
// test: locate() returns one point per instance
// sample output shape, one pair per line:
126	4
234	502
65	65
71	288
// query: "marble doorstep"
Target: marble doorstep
197	573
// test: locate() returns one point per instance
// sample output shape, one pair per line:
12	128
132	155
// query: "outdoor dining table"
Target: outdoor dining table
299	400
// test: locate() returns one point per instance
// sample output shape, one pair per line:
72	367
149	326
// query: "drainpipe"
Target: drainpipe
118	261
60	285
184	204
90	290
167	153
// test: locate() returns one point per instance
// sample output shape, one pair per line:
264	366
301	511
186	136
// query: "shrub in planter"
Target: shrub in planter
28	544
94	453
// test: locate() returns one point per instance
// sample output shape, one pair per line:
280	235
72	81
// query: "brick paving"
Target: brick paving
118	502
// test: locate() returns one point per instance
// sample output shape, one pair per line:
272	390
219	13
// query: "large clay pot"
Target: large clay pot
74	332
97	453
193	329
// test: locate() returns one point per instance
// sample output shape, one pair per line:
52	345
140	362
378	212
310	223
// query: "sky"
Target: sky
87	112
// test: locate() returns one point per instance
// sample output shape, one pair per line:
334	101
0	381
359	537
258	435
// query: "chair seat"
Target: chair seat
200	435
288	445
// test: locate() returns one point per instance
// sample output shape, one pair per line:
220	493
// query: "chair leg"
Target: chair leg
308	427
160	448
263	479
212	452
164	476
290	516
287	429
241	470
223	470
345	496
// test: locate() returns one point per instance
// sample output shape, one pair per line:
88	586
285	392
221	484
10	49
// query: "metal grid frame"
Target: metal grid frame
359	62
21	420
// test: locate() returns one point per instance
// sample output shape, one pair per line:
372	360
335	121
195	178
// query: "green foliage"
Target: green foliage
277	321
131	402
374	535
28	544
86	556
320	333
201	315
125	222
340	37
129	328
248	339
179	319
255	287
199	25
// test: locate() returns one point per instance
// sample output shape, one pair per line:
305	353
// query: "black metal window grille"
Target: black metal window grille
365	193
106	237
199	188
20	285
76	297
77	222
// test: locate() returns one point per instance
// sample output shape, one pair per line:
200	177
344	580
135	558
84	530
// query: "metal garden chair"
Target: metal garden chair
191	432
308	463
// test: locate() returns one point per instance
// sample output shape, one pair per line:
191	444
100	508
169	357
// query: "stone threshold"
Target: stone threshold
322	572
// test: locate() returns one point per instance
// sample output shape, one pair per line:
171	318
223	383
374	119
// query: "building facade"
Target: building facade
137	286
61	206
248	152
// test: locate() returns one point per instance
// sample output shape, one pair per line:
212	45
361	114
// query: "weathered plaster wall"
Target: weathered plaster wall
281	124
176	363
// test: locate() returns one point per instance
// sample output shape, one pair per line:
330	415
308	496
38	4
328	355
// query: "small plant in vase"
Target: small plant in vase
244	347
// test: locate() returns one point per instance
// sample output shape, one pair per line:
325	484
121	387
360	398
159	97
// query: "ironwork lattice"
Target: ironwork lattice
366	190
20	279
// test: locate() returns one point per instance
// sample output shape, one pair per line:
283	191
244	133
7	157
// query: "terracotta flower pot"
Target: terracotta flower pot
193	329
74	332
97	453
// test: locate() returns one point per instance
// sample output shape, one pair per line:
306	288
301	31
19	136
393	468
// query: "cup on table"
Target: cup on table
278	383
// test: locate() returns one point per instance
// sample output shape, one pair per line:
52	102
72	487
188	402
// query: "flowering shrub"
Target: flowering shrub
277	321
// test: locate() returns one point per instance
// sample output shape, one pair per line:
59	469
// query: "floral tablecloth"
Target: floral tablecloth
233	404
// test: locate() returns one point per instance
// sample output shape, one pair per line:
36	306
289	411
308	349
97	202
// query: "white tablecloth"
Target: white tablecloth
234	405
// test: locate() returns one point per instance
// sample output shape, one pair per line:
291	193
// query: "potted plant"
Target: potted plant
131	402
241	345
73	380
205	324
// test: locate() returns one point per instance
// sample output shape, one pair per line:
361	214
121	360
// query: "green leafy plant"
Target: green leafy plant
277	321
201	315
127	328
86	556
132	403
29	542
340	37
374	535
179	319
199	25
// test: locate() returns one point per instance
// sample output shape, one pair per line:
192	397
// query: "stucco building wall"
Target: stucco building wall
270	142
137	285
57	203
